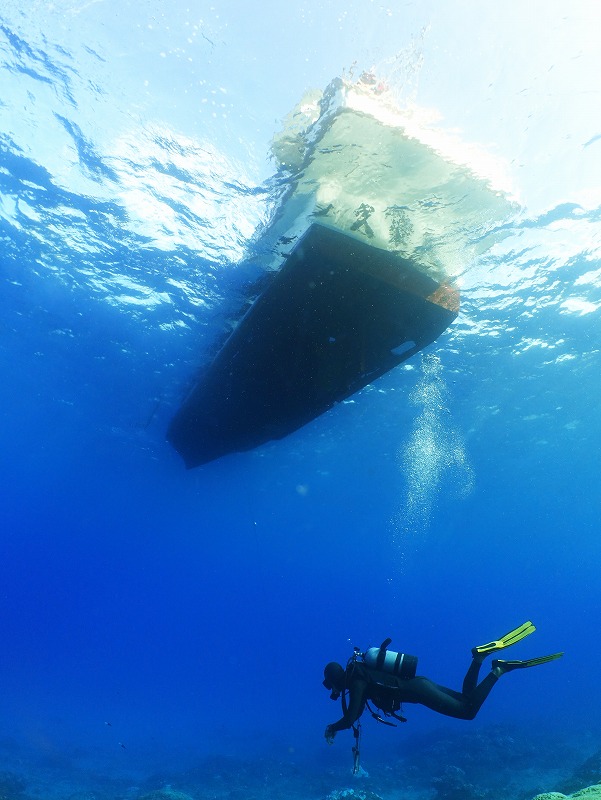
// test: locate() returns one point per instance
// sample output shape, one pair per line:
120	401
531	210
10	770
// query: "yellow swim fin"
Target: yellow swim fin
507	666
505	641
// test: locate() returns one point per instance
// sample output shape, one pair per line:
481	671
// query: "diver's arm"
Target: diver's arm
355	707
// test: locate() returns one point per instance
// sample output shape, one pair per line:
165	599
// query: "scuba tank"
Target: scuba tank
400	664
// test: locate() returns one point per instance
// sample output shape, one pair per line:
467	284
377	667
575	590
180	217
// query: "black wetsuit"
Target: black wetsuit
388	692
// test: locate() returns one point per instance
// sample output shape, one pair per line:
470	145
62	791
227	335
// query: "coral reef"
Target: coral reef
589	793
587	774
353	794
479	764
453	784
12	787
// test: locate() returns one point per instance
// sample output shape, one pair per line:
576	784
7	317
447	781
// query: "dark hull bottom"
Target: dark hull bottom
336	316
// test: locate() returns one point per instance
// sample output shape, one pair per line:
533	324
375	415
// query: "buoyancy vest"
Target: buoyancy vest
384	672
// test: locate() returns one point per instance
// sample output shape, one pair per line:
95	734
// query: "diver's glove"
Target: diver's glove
330	734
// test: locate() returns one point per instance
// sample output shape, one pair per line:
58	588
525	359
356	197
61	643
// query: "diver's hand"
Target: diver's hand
330	734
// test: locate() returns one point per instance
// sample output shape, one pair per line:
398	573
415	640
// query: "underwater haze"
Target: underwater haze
165	630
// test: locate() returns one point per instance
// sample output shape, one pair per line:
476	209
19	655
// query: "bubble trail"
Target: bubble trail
434	452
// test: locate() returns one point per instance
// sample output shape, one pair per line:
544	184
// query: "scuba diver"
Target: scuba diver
388	679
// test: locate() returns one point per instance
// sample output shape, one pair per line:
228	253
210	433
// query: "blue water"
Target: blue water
458	497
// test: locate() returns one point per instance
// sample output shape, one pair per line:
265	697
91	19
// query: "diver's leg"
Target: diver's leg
482	690
446	701
471	676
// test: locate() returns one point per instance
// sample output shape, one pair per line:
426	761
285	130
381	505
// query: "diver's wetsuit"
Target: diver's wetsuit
388	692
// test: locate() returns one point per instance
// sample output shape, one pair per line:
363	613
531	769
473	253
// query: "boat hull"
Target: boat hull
336	316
